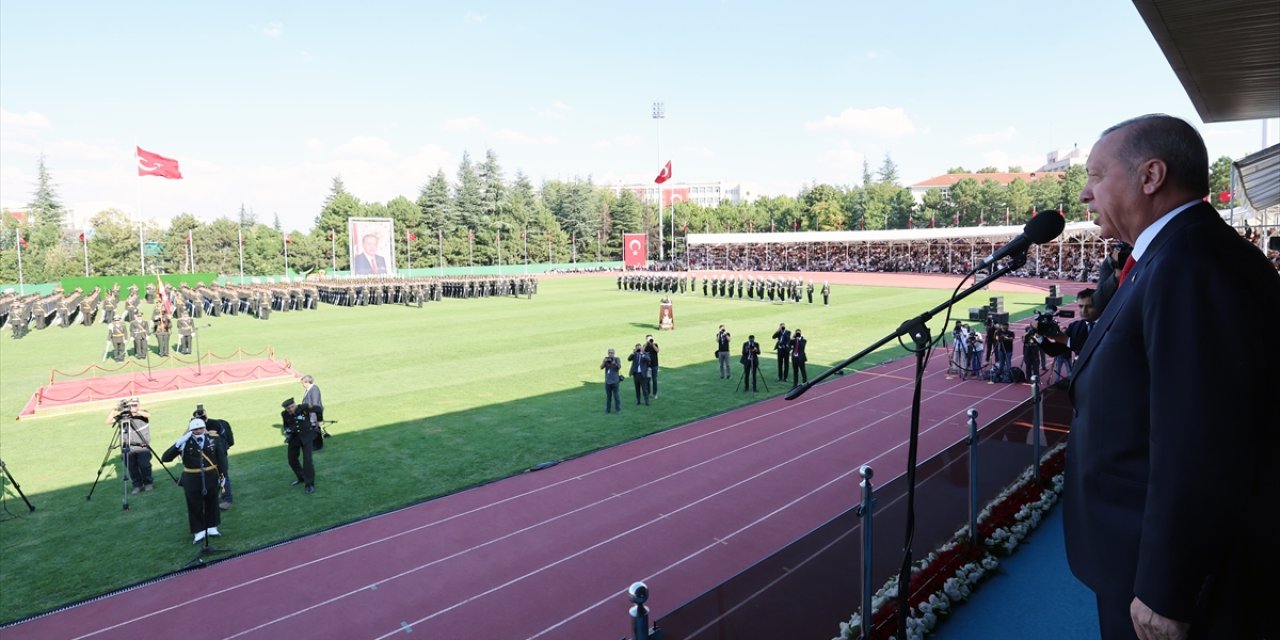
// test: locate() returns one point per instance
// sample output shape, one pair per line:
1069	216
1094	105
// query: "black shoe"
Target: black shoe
296	482
311	488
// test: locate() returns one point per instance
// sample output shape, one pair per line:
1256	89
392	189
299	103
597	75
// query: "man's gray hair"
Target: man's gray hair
1169	139
308	380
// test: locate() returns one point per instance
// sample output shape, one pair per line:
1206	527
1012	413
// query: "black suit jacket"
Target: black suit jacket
362	266
1171	467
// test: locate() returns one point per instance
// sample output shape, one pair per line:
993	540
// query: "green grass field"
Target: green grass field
429	401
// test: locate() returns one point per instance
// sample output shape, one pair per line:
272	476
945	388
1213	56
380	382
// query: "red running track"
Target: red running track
551	554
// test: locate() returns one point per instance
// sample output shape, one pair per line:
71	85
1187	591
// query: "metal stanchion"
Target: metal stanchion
974	538
865	511
640	614
1037	418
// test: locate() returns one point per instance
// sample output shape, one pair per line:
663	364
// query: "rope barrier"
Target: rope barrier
203	359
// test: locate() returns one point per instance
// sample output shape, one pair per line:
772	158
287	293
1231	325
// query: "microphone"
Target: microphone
1045	226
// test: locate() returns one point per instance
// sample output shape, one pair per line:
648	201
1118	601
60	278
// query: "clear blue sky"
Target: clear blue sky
264	103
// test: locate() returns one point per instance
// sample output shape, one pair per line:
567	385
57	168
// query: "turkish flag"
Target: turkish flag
412	236
636	250
675	195
1224	196
154	164
81	236
664	175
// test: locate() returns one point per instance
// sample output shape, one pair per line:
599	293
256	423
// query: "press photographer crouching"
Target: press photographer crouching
134	424
202	457
299	426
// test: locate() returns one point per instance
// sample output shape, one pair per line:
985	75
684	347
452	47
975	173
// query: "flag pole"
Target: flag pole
286	258
137	191
17	236
240	239
84	242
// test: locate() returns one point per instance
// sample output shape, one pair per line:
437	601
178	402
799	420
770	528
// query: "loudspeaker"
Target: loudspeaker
1053	301
1273	243
1053	291
1000	318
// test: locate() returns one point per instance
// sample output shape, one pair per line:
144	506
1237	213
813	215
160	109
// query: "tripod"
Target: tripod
17	487
753	365
123	424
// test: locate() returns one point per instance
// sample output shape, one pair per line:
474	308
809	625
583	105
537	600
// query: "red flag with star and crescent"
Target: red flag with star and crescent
665	174
154	164
637	250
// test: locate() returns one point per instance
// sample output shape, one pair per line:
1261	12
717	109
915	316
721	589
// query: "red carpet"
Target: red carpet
550	554
136	380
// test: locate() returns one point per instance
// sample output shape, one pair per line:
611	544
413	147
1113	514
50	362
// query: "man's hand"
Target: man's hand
1150	625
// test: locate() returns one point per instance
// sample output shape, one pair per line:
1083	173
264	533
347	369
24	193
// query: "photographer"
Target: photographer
651	350
639	368
1071	341
134	424
782	346
298	425
1004	354
975	350
722	353
750	363
201	460
612	378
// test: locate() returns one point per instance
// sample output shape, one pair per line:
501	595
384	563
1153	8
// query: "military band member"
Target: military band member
826	292
161	329
116	334
186	327
809	291
138	329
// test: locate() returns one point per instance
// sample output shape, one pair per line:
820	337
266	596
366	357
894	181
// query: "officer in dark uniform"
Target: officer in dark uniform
202	457
299	424
220	430
826	293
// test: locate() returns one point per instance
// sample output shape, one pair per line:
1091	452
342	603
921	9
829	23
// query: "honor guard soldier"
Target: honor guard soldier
116	334
161	329
138	329
809	291
186	327
826	292
201	459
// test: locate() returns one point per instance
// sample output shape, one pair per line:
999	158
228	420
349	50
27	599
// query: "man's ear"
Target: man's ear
1153	173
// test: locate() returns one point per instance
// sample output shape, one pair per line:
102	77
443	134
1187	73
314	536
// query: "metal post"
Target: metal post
1037	412
865	511
640	614
974	538
660	112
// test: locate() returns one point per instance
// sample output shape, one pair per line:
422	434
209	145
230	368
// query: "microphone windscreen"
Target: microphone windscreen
1044	227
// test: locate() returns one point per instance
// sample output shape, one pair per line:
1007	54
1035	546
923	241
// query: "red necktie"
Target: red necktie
373	265
1124	273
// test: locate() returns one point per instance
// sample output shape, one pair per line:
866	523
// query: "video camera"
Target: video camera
1046	323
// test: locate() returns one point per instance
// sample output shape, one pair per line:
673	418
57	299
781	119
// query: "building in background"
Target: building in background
706	194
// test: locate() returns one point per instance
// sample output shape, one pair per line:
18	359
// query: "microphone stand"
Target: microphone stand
918	329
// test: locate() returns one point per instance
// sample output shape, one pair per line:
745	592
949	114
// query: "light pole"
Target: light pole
659	112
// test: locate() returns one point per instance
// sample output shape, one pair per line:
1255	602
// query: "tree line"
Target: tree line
469	219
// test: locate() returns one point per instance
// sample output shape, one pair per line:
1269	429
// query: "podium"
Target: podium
666	316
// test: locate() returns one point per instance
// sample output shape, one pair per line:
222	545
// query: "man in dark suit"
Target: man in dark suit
1171	469
369	262
799	372
750	364
782	347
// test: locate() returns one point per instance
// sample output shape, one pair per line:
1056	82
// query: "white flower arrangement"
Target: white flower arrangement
957	588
